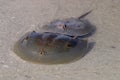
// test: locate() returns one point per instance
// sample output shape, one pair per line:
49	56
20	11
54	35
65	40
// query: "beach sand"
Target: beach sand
20	16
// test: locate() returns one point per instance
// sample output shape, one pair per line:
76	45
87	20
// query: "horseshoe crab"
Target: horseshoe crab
50	48
72	26
60	41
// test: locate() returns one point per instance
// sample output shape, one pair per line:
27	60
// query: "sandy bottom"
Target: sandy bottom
20	16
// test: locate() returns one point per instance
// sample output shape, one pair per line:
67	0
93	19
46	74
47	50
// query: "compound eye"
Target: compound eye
68	45
27	38
65	27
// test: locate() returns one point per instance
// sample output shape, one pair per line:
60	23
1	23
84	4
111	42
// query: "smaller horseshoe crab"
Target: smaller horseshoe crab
50	48
71	26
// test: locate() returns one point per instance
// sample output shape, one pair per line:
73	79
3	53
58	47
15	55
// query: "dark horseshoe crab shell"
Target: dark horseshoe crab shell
71	26
34	47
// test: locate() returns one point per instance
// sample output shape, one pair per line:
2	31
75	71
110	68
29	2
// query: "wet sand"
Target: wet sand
20	16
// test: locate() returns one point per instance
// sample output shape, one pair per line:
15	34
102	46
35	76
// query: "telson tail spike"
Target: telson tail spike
84	15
